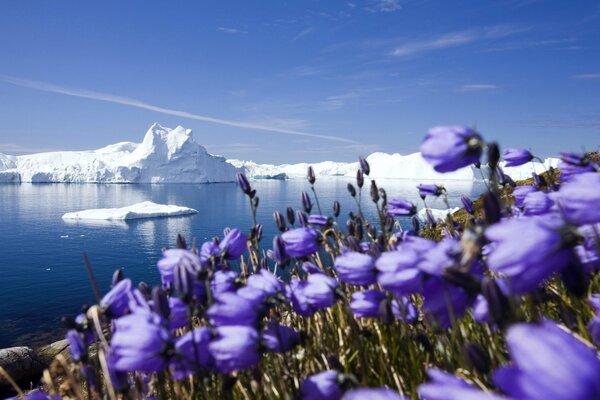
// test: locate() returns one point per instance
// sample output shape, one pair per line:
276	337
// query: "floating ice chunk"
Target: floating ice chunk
145	209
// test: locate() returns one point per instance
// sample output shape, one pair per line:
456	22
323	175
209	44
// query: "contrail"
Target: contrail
87	94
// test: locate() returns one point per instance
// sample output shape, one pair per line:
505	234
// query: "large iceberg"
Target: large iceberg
164	156
145	209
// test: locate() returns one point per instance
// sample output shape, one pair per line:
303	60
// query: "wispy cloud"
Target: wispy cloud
231	30
383	6
338	101
583	122
586	76
110	98
455	39
305	32
524	44
477	87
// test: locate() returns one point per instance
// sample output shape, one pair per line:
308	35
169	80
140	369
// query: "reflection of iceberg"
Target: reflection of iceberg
145	209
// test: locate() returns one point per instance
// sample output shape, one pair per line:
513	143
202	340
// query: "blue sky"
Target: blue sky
291	81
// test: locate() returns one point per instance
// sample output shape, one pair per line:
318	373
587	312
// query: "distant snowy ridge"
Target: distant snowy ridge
164	156
145	209
384	165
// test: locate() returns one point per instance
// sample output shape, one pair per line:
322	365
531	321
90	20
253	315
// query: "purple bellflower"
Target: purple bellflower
322	386
232	309
233	244
537	203
316	293
279	339
515	157
372	394
430	190
76	346
527	250
548	363
448	148
367	303
401	207
320	220
300	242
116	301
444	386
520	192
579	198
265	281
177	257
192	349
398	272
140	343
234	348
355	268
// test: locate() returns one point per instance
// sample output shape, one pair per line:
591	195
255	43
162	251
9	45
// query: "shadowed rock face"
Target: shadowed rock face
24	362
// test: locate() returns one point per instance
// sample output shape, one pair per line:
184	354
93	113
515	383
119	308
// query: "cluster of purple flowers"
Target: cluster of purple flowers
218	314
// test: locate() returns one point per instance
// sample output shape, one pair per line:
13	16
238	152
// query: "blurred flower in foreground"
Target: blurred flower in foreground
548	363
372	394
321	386
445	386
235	348
515	157
448	148
300	242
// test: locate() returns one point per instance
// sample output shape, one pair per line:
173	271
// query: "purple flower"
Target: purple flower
367	303
577	159
443	302
279	339
537	203
320	220
209	250
516	157
310	268
76	346
177	257
233	244
300	242
398	271
548	363
527	250
448	148
520	192
594	329
139	343
266	282
312	295
444	386
569	171
440	257
579	198
430	190
372	394
243	183
322	386
234	348
192	349
401	207
116	301
481	309
223	282
232	309
355	268
178	318
404	310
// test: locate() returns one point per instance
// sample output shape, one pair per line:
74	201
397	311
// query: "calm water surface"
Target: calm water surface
42	276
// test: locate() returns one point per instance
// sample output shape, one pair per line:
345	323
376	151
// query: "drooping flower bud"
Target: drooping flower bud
310	175
374	192
181	243
360	178
364	165
290	215
302	220
491	206
515	157
160	303
351	190
336	208
306	202
278	217
243	183
493	153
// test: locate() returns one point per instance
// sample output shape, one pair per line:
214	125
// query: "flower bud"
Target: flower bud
243	183
310	175
336	208
351	190
181	243
279	221
493	154
498	303
290	215
467	204
374	192
360	178
491	207
306	203
364	165
117	277
302	220
160	302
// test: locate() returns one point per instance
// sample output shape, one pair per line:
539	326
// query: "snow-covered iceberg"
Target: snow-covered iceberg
387	166
164	156
145	209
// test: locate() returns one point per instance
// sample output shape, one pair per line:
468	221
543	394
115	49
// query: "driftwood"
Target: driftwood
24	362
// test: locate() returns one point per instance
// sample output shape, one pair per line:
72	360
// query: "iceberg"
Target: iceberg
145	209
164	156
